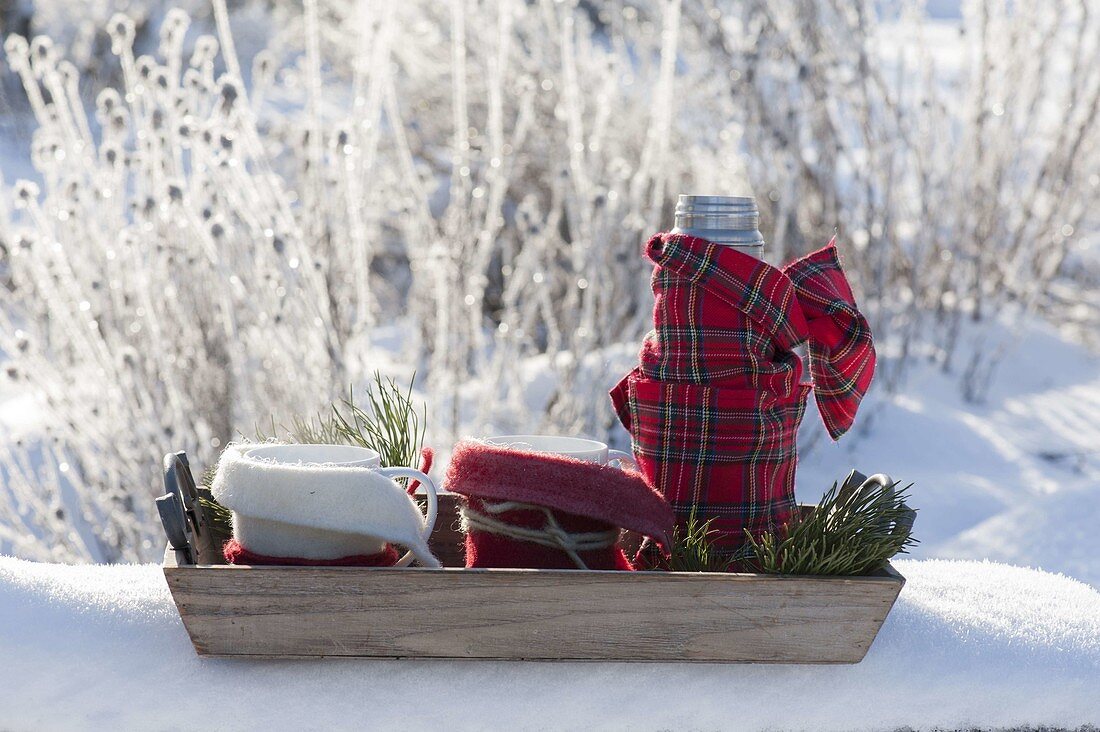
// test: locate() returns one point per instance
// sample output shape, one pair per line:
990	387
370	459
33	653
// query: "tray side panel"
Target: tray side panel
523	614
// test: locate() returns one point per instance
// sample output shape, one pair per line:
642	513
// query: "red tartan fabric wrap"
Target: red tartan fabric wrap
714	406
508	491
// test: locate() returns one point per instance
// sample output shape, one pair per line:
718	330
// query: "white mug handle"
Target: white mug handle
433	503
621	457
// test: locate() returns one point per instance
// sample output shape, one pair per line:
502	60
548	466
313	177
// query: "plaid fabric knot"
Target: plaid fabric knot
714	405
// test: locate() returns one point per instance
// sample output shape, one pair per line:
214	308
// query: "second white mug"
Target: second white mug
578	448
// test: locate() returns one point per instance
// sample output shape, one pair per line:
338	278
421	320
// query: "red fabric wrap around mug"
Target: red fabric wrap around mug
235	553
511	492
488	549
714	406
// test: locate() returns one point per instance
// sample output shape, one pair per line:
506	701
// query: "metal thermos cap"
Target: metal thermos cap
729	220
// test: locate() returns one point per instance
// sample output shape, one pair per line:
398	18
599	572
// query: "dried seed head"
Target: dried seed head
174	189
72	187
46	150
193	80
263	68
206	49
16	47
42	50
145	66
26	193
175	25
229	91
121	30
111	154
120	119
70	75
107	102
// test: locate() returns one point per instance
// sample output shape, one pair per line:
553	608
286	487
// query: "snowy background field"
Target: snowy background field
212	215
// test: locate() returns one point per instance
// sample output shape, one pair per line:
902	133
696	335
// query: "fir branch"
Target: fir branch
389	424
692	549
220	517
852	531
392	427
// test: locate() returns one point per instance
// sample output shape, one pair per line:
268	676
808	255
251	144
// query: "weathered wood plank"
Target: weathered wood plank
529	614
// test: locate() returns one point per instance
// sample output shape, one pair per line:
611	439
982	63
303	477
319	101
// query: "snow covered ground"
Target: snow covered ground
968	644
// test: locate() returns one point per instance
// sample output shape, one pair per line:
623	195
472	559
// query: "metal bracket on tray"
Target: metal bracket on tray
185	521
857	480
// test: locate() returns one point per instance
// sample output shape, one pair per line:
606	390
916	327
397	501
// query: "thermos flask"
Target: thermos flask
728	220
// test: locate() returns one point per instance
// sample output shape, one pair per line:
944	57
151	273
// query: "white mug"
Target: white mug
578	448
352	456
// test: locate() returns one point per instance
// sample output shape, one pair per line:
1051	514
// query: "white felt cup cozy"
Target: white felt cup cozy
323	502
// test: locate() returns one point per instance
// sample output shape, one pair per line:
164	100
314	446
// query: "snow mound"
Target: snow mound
968	644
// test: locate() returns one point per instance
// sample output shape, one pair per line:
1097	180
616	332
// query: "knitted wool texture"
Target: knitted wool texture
235	553
583	498
714	406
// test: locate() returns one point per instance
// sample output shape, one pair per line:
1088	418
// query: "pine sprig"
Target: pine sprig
388	423
220	517
852	531
691	548
392	428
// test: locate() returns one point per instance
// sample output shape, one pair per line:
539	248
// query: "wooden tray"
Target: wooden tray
522	614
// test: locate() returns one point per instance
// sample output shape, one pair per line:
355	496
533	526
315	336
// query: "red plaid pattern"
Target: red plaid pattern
841	349
714	406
